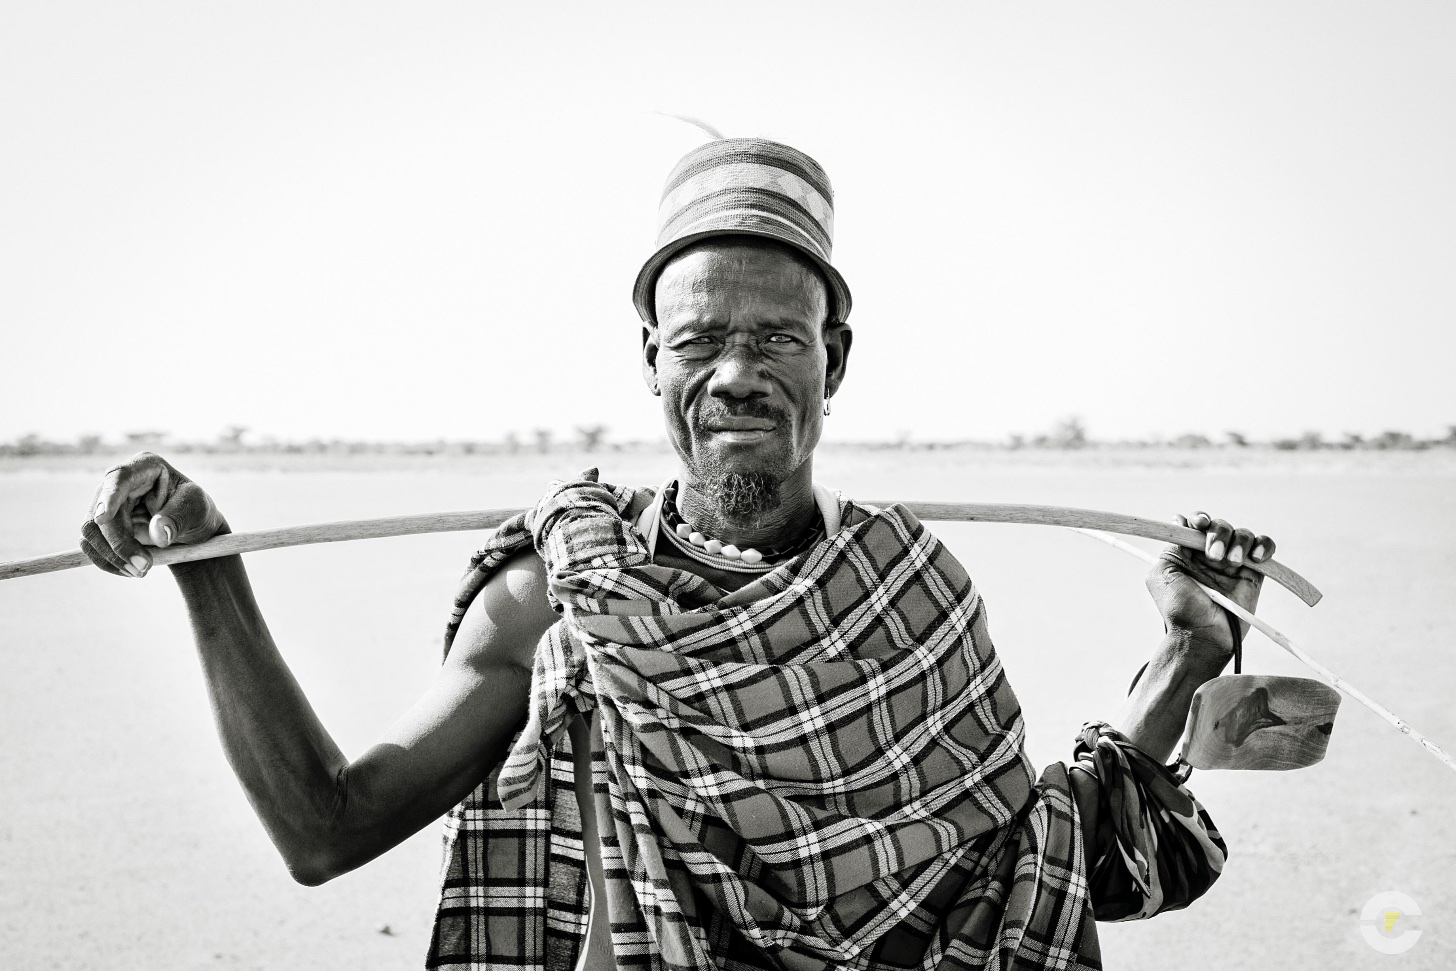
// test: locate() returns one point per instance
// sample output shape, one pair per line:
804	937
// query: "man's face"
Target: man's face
742	359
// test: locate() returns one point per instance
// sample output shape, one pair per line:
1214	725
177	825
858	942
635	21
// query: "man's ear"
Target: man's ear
649	357
837	340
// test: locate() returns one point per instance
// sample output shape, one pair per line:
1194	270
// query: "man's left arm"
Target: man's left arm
1197	645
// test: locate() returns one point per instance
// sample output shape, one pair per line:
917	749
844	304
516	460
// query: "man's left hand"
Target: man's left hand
1222	565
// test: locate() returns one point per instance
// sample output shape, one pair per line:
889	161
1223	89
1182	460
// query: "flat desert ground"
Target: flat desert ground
125	842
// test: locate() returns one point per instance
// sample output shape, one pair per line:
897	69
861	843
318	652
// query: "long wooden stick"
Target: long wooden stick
1333	679
976	512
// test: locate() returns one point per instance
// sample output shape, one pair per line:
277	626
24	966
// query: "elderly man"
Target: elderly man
736	721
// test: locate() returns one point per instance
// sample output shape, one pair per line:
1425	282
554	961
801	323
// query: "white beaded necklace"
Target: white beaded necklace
725	556
713	547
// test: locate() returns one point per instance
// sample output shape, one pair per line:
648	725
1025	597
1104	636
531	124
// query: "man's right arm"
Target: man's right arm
325	814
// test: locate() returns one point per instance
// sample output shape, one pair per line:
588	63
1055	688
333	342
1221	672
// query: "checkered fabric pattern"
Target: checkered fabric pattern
514	892
823	769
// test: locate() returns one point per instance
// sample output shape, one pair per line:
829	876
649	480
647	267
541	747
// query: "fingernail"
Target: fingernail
139	564
1215	552
1236	555
1258	552
162	530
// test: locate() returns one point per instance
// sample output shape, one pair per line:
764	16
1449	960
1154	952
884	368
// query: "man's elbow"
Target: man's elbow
313	870
314	859
321	859
323	849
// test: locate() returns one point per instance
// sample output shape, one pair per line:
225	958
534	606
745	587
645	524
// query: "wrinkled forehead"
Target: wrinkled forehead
736	279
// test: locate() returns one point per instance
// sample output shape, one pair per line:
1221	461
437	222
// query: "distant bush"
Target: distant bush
1070	433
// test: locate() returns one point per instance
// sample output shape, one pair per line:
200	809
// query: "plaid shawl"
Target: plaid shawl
823	769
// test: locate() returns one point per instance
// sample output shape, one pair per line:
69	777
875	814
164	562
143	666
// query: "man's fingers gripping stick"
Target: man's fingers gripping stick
114	506
1388	716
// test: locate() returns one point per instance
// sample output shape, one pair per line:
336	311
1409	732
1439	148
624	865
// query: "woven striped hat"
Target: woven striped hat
746	187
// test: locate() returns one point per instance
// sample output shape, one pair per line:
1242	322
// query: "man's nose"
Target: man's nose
739	371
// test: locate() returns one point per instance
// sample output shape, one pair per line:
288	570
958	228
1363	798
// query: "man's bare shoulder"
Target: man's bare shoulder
507	618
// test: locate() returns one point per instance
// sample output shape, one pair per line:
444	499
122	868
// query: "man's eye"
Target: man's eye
782	339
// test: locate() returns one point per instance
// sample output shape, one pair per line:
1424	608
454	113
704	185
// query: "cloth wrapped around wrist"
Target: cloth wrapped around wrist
823	769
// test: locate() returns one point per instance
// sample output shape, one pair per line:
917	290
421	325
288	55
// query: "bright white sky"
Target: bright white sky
421	220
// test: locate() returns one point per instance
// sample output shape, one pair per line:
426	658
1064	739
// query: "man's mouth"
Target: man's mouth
742	436
751	424
740	425
740	430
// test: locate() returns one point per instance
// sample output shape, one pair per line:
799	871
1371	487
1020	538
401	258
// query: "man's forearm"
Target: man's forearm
287	763
1157	709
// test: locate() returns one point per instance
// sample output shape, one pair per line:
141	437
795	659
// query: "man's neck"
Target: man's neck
775	527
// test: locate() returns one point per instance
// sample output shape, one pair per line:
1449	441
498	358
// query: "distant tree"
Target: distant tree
231	437
1068	433
543	440
591	436
1393	439
1191	440
88	444
29	445
513	442
1352	440
1237	439
143	440
1312	441
1018	441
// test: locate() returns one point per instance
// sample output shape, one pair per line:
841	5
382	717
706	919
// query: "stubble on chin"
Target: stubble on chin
747	487
742	491
742	497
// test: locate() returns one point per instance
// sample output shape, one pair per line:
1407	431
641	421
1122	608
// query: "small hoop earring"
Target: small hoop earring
826	404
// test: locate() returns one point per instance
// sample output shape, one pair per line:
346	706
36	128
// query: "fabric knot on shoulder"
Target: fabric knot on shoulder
582	527
597	563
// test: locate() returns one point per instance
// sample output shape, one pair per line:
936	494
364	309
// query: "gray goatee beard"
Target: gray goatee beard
742	497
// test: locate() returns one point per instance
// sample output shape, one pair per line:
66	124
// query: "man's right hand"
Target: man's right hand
145	502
